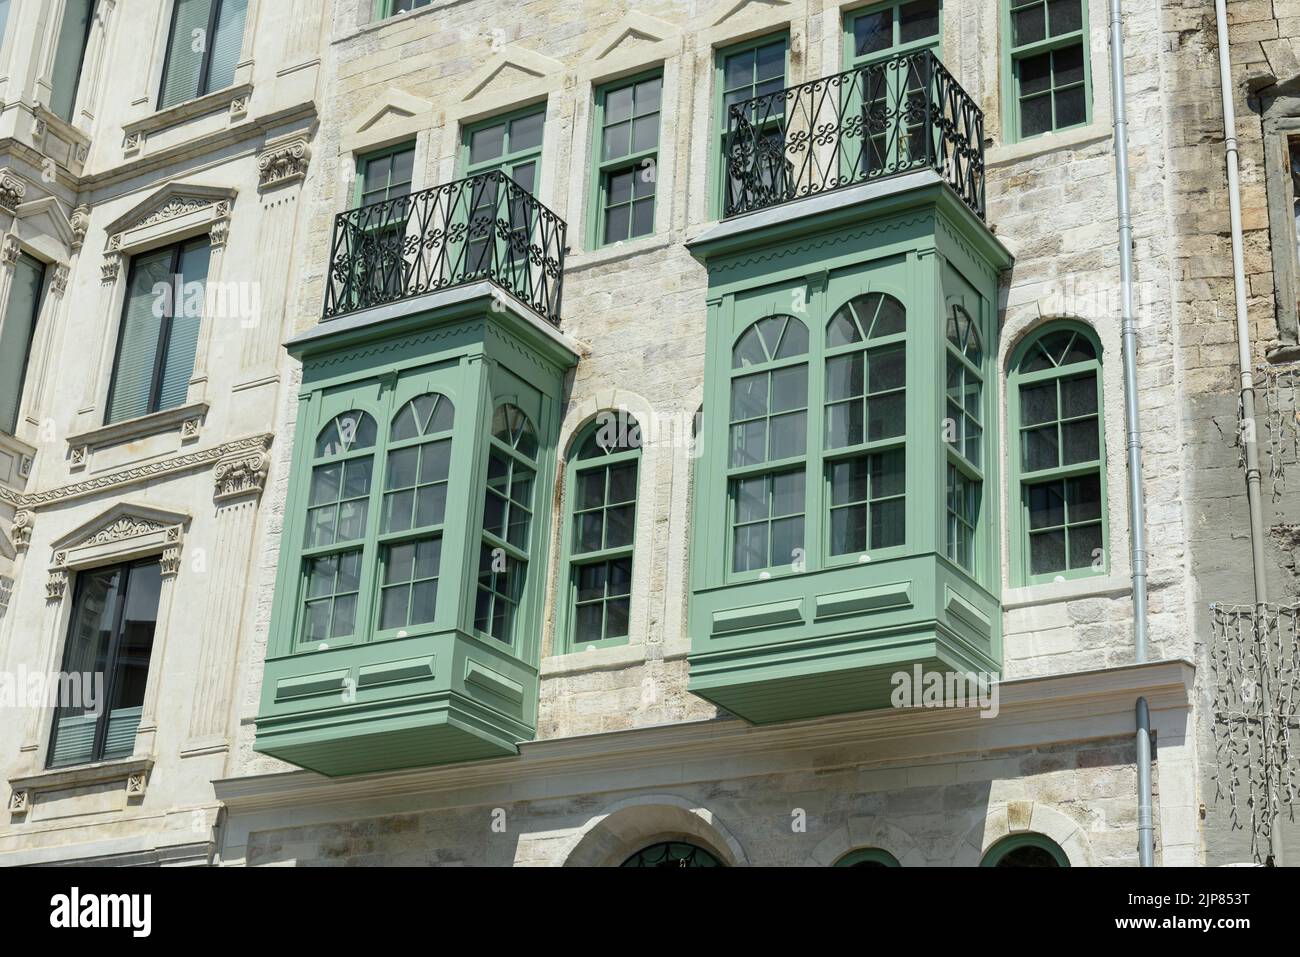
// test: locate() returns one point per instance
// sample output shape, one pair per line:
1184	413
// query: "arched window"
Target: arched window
414	507
868	857
602	489
964	435
507	522
1059	456
1025	850
672	854
866	424
768	441
337	507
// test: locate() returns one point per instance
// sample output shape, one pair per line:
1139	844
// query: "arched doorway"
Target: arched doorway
672	854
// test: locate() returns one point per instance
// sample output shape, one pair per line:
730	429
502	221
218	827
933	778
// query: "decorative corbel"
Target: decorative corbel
242	473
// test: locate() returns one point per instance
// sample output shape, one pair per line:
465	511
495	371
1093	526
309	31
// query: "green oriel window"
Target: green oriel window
1046	64
513	146
1056	422
602	487
21	313
160	330
202	49
627	157
745	71
507	522
69	52
964	435
114	614
872	36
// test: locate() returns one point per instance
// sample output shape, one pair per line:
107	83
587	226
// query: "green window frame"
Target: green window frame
507	522
385	174
391	8
512	144
156	346
111	631
881	32
1025	850
865	430
741	72
963	437
22	312
625	159
203	47
601	484
868	857
1046	67
768	445
376	506
1055	413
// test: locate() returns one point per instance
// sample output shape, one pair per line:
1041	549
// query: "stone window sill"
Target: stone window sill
132	772
213	102
1101	586
187	418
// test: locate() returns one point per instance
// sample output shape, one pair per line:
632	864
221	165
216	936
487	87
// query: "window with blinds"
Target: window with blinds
166	289
202	49
74	31
114	615
16	336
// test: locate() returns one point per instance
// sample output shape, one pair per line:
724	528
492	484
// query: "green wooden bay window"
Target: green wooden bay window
1059	455
601	492
1047	74
26	291
407	624
202	49
840	533
626	160
159	333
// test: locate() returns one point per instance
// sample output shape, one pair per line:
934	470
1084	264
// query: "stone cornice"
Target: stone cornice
149	472
1033	711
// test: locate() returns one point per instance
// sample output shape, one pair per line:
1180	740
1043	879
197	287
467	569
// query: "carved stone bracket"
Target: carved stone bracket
59	282
80	223
19	802
242	472
21	532
10	250
284	160
6	590
12	190
56	584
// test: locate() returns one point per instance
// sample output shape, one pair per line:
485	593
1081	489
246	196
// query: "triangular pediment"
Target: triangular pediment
510	68
123	521
632	32
392	106
174	199
46	217
749	7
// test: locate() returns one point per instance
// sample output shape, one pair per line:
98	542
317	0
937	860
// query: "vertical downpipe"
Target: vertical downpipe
1132	428
1248	437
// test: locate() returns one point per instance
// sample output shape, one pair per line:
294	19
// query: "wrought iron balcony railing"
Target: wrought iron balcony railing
483	227
881	120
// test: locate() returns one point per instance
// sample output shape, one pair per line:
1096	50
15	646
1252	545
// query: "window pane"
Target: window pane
1028	25
1085	498
183	336
1081	442
137	352
1071	107
17	331
184	62
526	132
1046	505
1037	403
1065	16
873	32
226	44
1085	546
1047	553
918	20
73	33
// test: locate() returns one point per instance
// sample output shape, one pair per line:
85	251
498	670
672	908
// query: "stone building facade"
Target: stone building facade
564	748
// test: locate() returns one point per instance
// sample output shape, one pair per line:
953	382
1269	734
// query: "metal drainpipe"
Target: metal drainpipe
1248	438
1132	426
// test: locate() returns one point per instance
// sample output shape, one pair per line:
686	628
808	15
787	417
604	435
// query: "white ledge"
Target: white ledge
155	423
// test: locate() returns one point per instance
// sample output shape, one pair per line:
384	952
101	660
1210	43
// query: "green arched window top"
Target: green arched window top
338	505
507	522
1059	456
672	854
1025	850
768	444
868	857
601	492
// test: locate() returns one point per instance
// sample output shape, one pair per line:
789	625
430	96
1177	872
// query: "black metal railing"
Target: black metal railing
483	227
881	120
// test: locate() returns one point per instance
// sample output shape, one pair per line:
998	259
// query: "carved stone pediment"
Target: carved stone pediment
122	533
176	208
